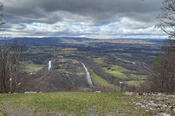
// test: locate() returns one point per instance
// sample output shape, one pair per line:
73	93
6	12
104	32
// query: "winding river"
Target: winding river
88	76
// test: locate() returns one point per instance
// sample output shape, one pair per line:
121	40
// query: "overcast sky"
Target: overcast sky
82	18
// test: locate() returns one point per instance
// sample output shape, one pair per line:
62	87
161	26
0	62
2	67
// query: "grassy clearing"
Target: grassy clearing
99	60
80	73
119	72
62	70
125	54
31	67
100	81
114	70
77	103
119	68
135	83
133	76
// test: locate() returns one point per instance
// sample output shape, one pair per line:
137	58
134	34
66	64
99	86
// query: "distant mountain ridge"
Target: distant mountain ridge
57	40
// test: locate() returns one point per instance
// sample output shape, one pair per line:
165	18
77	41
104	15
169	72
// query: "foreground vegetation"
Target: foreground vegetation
64	103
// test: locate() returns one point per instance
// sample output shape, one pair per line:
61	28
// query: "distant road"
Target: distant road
49	65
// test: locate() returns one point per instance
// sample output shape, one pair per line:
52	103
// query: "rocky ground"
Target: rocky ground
160	104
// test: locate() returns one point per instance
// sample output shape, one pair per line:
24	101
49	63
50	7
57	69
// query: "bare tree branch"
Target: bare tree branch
167	19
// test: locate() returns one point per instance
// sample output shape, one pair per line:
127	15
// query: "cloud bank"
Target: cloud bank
82	18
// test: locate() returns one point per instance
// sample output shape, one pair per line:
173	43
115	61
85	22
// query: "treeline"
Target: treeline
163	71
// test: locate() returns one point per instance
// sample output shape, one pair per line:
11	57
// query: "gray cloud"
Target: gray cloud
99	11
83	18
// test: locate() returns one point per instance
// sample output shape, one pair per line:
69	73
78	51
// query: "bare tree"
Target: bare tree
1	16
9	62
167	18
163	72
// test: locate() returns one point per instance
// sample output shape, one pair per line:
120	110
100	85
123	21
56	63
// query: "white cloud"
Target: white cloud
118	29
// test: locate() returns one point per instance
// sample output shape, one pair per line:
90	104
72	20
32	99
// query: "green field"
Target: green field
100	81
133	76
135	83
80	73
99	60
72	103
115	71
119	72
119	68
